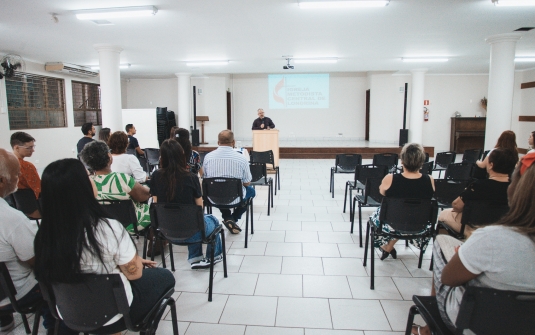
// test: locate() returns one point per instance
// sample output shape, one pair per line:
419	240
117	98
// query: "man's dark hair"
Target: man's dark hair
87	127
503	160
128	127
20	137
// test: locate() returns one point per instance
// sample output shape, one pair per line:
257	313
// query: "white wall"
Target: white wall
346	112
212	103
152	93
54	143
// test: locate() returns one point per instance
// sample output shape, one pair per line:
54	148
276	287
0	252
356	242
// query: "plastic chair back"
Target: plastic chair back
121	210
364	172
258	171
177	221
222	191
471	155
408	215
130	151
483	212
459	171
495	312
262	157
447	190
7	288
427	168
25	201
152	155
388	159
371	191
443	159
346	163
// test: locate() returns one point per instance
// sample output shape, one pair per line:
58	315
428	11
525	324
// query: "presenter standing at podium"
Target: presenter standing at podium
262	123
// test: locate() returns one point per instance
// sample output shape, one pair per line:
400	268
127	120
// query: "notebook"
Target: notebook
447	245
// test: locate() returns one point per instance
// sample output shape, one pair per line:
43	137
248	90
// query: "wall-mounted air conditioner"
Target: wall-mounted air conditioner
71	69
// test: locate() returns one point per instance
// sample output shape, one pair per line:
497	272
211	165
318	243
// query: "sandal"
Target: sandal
417	328
232	226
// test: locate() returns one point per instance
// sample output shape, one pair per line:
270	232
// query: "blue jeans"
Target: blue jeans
48	320
241	208
195	250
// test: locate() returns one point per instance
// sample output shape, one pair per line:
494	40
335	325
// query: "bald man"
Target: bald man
227	163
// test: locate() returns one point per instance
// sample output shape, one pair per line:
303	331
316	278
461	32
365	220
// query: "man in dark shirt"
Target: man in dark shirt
89	131
262	123
132	141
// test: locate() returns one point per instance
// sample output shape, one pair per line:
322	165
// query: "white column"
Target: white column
110	86
501	85
416	122
184	100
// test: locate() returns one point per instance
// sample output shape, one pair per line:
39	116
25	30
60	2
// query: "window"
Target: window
86	103
35	101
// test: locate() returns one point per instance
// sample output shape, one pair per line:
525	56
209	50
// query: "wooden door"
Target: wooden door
367	134
229	112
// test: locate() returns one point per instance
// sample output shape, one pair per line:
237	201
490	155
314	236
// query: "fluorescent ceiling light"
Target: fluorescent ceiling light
424	60
330	60
524	59
117	12
208	63
511	3
343	4
121	66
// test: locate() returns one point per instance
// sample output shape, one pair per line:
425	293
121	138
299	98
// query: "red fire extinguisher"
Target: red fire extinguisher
426	114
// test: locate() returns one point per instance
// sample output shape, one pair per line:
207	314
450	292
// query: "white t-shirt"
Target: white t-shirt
17	233
503	258
118	249
129	164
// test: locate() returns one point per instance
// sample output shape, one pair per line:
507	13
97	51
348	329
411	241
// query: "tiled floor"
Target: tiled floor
302	273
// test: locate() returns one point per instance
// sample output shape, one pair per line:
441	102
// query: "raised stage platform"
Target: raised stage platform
323	149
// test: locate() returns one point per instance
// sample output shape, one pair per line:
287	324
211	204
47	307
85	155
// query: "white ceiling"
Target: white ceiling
254	34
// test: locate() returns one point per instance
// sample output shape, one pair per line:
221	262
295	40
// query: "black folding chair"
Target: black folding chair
7	290
471	155
178	222
87	306
442	160
483	310
268	158
447	190
362	173
222	193
125	212
152	155
25	201
131	151
344	163
260	178
427	168
390	160
413	218
459	171
371	197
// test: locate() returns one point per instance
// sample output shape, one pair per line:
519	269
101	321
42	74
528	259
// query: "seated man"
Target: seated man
132	141
89	132
23	146
227	163
16	247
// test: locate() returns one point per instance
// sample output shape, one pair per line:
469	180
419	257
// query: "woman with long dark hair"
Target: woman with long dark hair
507	141
90	243
174	183
104	134
193	159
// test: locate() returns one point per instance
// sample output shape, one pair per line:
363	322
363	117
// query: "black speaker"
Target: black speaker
403	137
195	138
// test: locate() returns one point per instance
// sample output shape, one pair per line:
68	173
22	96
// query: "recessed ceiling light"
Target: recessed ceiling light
116	12
343	4
424	59
524	59
121	66
512	3
208	63
325	60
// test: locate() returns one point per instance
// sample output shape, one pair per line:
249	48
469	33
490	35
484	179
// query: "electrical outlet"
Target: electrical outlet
2	110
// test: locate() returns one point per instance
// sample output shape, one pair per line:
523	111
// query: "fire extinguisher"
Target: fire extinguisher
426	114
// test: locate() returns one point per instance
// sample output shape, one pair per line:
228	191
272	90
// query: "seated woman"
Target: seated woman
104	134
173	183
91	243
487	259
115	185
193	159
507	140
501	163
122	162
408	184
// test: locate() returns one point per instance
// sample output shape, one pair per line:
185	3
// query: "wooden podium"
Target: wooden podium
202	119
264	140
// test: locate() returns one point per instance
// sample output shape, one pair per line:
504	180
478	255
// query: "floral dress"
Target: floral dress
194	162
116	186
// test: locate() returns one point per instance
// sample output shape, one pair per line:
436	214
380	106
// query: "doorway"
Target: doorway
367	133
229	112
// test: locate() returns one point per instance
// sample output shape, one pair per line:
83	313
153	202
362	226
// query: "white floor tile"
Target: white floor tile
276	285
326	287
343	267
301	217
397	313
317	226
235	283
384	288
254	248
301	236
358	314
334	237
351	250
302	265
268	236
196	307
286	225
256	330
219	329
303	312
389	268
413	286
320	250
250	310
284	249
332	332
261	264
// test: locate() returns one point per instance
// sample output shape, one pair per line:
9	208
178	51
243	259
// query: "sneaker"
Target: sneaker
6	322
205	263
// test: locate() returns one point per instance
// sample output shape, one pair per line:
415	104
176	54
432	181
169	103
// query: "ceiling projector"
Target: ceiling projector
288	66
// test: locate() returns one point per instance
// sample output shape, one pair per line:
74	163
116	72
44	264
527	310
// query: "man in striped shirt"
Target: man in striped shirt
227	163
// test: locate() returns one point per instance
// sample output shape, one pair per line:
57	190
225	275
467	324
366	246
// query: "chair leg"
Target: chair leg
420	259
56	327
224	251
360	224
412	312
372	262
37	318
145	242
345	197
154	240
246	226
171	257
174	318
269	198
26	324
352	217
431	264
331	182
252	225
350	197
278	177
162	248
271	188
366	245
407	243
211	282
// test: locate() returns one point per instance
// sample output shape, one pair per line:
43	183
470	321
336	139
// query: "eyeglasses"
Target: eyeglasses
29	148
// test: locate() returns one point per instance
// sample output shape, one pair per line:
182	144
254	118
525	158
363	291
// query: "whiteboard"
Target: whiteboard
145	122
